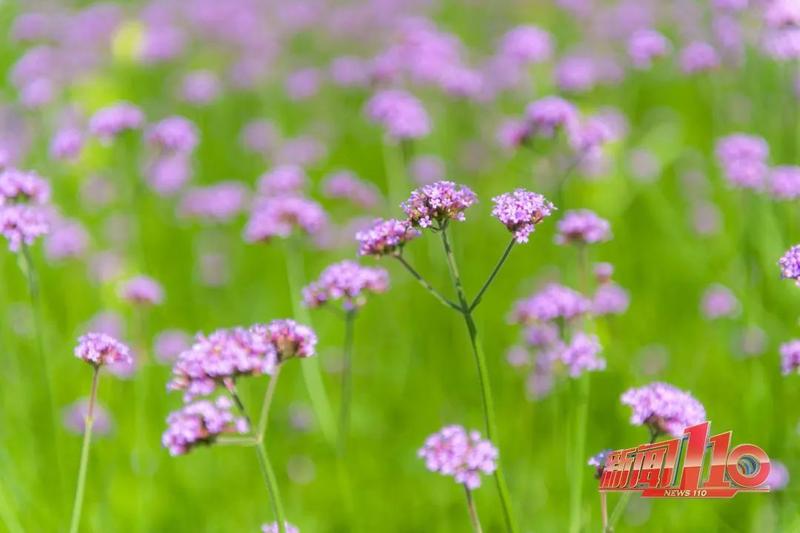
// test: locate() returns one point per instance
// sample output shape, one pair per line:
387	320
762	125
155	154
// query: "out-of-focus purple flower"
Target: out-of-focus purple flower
302	84
520	211
790	357
344	184
646	45
598	461
518	356
277	217
272	527
778	477
67	239
111	121
303	150
107	322
698	56
435	204
214	269
22	224
142	290
582	354
99	349
718	302
200	87
66	144
167	174
549	114
553	301
589	135
74	418
512	133
610	299
283	180
790	264
385	237
200	423
259	136
21	187
459	453
582	226
706	218
603	272
664	408
161	42
173	134
784	182
400	113
37	93
730	5
32	26
743	159
170	343
216	203
781	39
541	335
526	45
349	71
346	281
427	169
576	74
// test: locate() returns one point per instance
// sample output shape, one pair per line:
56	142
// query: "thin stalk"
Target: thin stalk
576	493
263	420
473	512
312	374
77	505
49	399
7	515
347	380
427	286
483	378
489	281
604	510
264	463
622	504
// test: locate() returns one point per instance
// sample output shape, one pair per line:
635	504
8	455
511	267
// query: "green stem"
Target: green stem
77	506
7	514
576	493
489	281
263	420
473	512
312	374
427	286
622	504
485	386
347	380
604	510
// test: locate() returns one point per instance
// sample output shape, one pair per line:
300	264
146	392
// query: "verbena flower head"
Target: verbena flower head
526	45
200	423
346	281
109	122
67	239
66	144
598	461
400	113
698	57
216	203
784	182
99	349
459	453
718	301
520	211
200	87
790	356
22	224
173	134
541	335
790	264
277	217
582	226
346	185
142	290
552	302
549	114
743	159
582	354
646	45
74	418
664	408
291	339
21	187
274	528
610	299
170	343
223	355
431	206
385	237
283	180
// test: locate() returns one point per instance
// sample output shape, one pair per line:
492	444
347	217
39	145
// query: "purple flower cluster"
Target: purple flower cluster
698	57
111	121
743	159
277	217
400	113
346	185
283	180
646	45
216	203
385	237
582	226
718	302
142	290
664	408
784	182
432	206
346	281
598	461
582	354
790	264
610	299
24	198
200	423
790	356
526	45
549	114
99	349
66	144
291	339
173	134
552	302
459	453
274	528
520	211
